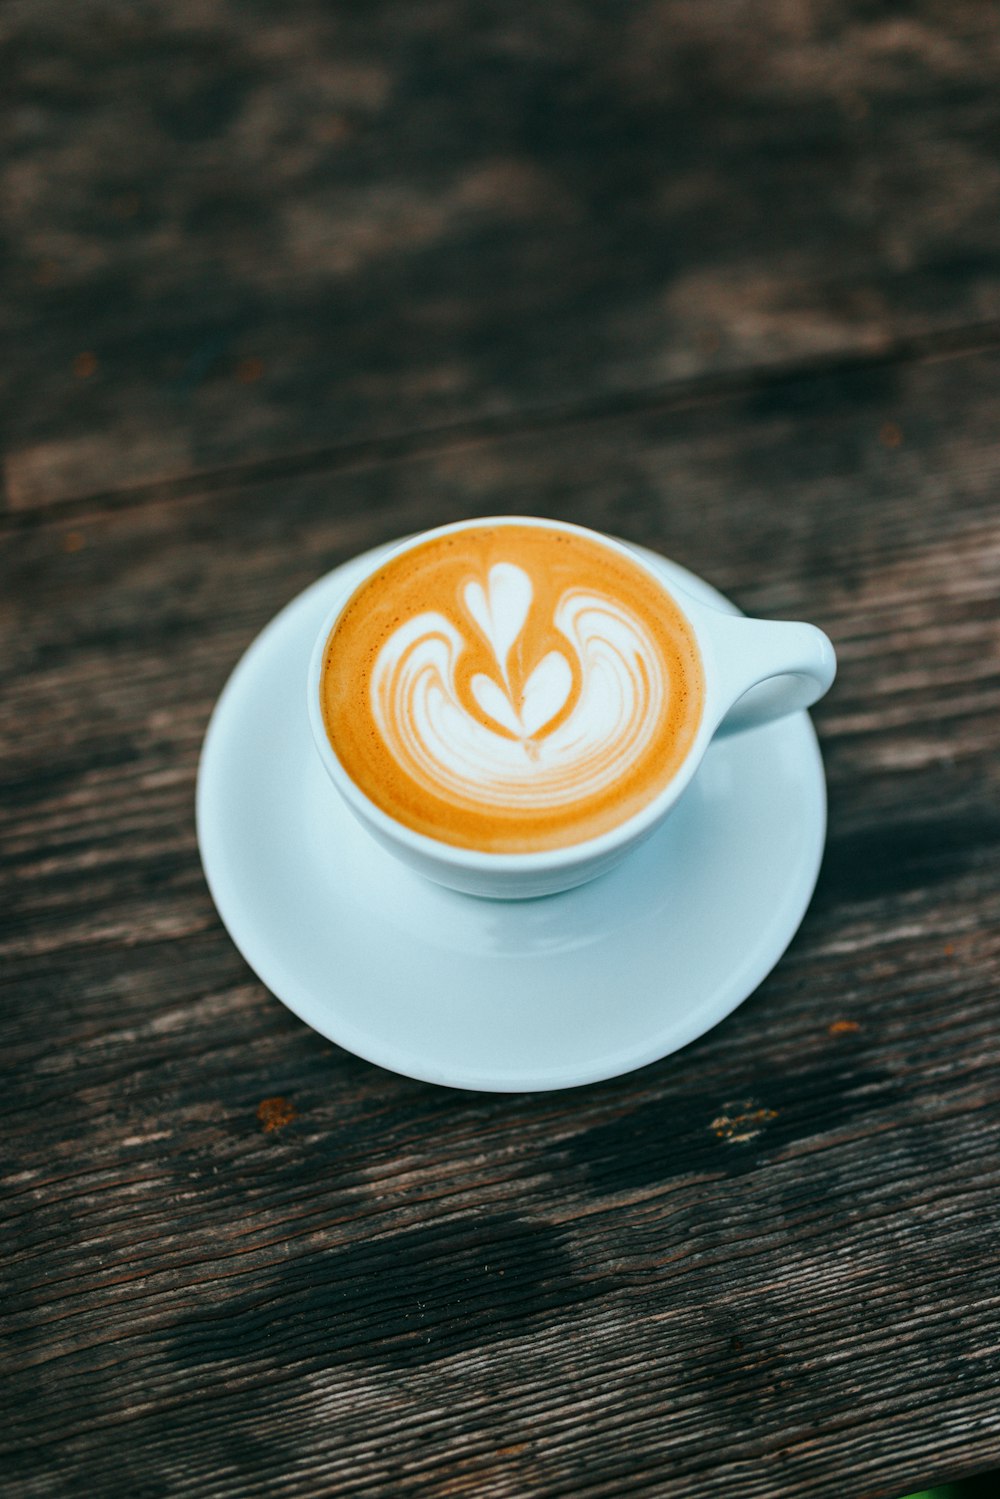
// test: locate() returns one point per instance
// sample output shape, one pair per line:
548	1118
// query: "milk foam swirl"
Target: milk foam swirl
524	734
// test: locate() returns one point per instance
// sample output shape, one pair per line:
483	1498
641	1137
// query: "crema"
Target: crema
511	688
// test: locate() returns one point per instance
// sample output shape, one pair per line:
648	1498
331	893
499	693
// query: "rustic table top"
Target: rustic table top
285	281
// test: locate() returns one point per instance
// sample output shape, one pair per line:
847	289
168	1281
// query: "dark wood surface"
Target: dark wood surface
282	282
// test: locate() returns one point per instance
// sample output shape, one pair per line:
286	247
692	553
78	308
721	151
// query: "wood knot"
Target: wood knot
275	1113
741	1122
843	1028
248	371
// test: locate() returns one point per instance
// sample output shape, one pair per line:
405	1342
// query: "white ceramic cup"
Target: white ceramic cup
796	661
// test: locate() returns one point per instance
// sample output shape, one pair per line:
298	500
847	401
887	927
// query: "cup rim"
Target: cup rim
538	860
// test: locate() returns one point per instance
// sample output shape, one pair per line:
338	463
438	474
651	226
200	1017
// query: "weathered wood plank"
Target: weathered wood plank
238	231
395	1288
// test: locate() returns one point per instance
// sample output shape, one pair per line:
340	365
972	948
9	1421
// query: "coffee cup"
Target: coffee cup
511	705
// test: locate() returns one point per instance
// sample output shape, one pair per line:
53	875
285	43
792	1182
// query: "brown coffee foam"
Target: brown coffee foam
432	576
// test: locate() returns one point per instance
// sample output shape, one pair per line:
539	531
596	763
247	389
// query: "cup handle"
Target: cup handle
765	668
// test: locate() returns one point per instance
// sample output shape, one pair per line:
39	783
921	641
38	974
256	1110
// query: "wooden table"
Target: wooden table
286	281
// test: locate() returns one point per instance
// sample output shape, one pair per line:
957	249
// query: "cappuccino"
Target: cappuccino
511	688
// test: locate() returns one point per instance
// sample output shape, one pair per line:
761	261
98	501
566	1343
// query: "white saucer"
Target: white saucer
496	995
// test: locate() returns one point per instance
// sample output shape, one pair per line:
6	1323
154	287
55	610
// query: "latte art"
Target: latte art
583	713
548	691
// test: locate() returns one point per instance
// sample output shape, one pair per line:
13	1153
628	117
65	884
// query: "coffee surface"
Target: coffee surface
511	688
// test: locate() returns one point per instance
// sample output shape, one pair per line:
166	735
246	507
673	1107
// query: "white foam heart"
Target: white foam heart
500	609
545	692
495	703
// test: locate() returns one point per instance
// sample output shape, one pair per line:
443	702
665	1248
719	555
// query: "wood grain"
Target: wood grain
378	1286
243	231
